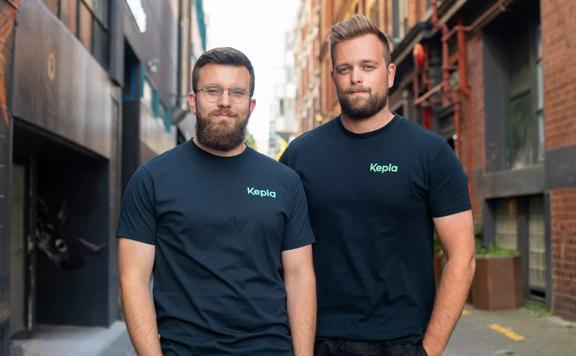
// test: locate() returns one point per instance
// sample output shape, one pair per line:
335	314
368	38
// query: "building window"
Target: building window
537	246
399	19
85	31
87	20
520	224
52	5
373	12
524	111
69	14
506	232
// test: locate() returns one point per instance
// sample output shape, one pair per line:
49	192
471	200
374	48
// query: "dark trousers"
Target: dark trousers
339	347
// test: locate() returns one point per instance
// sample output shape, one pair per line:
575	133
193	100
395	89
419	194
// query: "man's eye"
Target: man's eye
238	93
213	91
342	70
368	67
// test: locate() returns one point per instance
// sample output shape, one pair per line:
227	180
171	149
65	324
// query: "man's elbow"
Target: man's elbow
464	262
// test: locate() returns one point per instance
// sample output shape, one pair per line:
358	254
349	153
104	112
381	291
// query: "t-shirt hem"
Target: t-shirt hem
298	244
367	337
136	237
452	210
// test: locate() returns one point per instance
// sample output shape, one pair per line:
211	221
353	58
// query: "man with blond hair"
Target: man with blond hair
377	186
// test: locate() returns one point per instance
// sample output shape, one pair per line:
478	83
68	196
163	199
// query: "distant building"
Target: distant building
283	125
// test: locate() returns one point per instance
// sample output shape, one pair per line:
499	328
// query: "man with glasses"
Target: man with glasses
225	232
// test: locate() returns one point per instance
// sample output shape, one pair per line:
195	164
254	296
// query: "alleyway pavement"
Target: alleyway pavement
523	331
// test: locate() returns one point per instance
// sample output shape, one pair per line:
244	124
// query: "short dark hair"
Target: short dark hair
355	26
226	56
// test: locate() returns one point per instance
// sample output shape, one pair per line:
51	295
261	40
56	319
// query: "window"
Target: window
520	224
88	20
374	14
506	231
537	246
69	14
52	5
399	19
85	31
524	111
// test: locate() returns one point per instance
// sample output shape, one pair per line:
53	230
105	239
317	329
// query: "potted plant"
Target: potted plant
497	282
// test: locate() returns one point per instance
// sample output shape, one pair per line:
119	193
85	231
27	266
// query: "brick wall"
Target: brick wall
563	206
472	156
559	61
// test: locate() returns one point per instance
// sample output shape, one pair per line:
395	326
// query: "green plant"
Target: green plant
492	251
537	308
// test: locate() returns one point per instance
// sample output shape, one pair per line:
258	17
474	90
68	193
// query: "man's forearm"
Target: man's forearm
140	318
301	303
450	298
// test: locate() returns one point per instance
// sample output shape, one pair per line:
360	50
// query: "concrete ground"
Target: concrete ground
75	341
512	332
479	333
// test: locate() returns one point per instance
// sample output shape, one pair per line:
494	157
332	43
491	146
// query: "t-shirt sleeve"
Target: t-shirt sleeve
137	219
284	158
448	185
298	231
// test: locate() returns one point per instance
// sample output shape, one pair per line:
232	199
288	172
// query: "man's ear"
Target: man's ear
252	105
391	74
192	102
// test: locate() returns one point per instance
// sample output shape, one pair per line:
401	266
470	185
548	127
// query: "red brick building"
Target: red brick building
497	79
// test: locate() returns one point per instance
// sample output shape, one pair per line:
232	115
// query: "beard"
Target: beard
358	109
221	136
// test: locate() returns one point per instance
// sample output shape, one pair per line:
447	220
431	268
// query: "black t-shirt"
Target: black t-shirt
371	199
219	226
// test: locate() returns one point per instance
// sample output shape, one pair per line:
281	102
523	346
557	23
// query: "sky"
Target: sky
257	28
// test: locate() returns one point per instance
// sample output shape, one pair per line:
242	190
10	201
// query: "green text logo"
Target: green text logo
262	193
383	168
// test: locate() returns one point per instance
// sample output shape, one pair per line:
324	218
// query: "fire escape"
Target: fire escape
448	94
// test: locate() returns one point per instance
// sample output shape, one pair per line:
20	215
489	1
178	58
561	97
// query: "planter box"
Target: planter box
498	283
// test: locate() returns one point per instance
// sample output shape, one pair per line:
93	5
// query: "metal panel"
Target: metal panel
58	85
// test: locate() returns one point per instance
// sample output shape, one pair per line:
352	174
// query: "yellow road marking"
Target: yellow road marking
506	332
465	312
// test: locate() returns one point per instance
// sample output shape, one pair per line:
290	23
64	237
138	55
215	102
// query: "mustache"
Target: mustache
358	90
223	112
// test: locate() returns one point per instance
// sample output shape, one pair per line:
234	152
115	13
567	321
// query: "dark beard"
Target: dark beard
362	112
219	136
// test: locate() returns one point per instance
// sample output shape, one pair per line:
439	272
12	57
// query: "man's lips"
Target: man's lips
358	91
224	115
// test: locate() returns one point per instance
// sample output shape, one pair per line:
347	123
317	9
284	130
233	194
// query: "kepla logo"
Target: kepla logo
262	193
383	168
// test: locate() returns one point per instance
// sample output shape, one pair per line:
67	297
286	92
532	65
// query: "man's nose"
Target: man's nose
224	99
356	76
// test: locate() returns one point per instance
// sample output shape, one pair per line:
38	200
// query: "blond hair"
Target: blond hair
355	26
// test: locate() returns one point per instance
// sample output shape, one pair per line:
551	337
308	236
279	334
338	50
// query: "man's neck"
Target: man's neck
233	152
381	119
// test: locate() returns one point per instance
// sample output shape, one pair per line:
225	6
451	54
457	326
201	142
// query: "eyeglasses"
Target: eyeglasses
214	92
